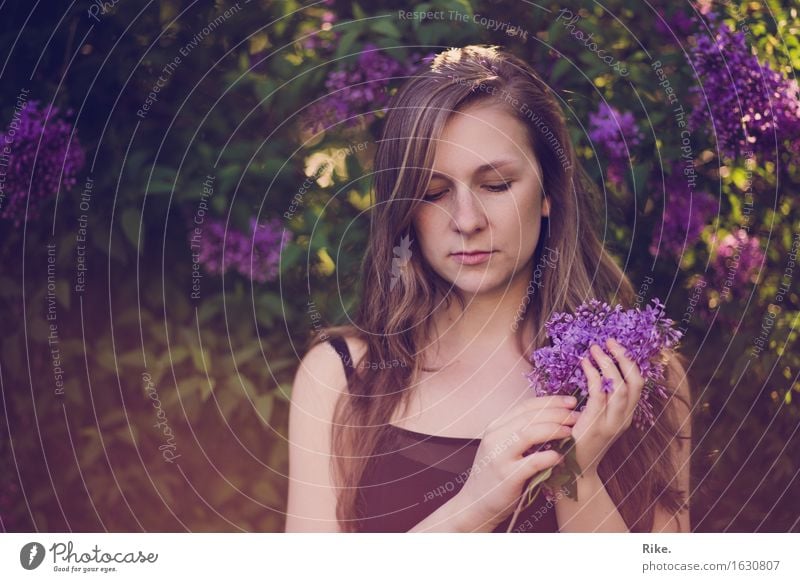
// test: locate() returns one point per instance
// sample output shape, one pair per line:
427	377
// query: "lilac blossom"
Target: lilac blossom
736	261
675	21
615	134
685	214
255	254
751	107
40	159
323	40
357	92
643	333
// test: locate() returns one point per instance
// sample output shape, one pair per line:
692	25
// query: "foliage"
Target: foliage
201	114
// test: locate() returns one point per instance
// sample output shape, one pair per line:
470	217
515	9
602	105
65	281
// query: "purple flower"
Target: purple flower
749	106
36	136
686	213
322	40
615	134
255	254
357	92
736	261
643	334
676	21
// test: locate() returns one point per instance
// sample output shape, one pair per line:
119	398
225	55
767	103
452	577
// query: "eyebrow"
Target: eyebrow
481	169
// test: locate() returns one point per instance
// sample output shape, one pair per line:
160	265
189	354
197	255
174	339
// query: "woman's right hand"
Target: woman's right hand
501	469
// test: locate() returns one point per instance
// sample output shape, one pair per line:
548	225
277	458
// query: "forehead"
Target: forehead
481	133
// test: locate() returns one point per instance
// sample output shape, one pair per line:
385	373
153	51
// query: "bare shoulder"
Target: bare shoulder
323	365
319	383
357	347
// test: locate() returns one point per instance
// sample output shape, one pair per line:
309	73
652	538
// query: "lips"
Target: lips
472	258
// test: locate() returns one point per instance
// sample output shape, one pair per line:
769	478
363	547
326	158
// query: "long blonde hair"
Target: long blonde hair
390	318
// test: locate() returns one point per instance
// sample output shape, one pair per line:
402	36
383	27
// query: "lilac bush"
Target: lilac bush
616	134
750	106
41	159
685	214
323	41
736	261
357	92
255	254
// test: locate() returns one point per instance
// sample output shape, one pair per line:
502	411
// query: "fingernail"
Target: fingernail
570	400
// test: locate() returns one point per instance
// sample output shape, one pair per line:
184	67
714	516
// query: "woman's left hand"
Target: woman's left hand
606	416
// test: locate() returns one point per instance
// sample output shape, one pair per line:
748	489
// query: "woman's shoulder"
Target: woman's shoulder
324	361
357	346
321	378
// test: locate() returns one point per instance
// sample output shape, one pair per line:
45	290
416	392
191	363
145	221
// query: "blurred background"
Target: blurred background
184	196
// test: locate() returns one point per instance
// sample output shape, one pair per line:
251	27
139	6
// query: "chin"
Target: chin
473	285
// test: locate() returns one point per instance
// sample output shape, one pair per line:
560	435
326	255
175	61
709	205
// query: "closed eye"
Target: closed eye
435	195
498	187
502	187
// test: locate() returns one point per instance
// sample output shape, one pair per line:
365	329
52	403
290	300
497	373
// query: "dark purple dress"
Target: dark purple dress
412	474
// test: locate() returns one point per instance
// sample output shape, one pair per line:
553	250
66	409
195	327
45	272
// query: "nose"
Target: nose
468	214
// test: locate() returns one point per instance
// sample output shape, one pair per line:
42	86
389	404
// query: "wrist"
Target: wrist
467	518
589	474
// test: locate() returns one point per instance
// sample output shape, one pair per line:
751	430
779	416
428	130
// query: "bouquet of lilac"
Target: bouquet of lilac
645	335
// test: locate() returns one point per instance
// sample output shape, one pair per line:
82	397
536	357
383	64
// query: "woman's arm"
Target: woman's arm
681	451
453	516
596	511
319	381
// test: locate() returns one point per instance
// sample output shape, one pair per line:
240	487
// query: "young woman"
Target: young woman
417	417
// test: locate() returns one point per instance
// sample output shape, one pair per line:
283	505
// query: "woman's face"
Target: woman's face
485	195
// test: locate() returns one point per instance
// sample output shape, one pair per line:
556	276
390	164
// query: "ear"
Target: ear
546	207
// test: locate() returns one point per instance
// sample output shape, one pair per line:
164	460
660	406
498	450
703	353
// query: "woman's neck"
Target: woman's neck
489	320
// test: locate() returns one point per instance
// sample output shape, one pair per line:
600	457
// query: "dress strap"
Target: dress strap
340	345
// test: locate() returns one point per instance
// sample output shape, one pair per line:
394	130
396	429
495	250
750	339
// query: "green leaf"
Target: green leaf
271	302
291	254
562	66
264	405
245	354
62	293
358	12
162	181
534	486
113	248
284	392
347	41
739	178
386	27
201	360
130	220
279	364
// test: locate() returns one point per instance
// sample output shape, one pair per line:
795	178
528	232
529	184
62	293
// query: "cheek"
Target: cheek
427	225
520	223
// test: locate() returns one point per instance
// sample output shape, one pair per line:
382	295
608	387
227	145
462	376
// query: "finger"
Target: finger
596	404
557	415
532	404
527	434
617	399
631	373
607	366
540	461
